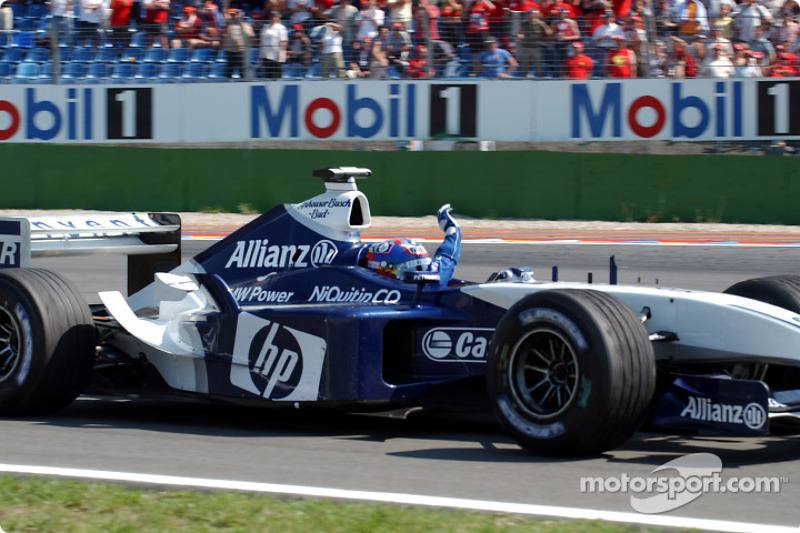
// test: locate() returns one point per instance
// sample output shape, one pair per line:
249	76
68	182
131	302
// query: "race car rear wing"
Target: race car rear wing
152	241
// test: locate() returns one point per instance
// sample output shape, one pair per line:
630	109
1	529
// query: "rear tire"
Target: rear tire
783	291
571	372
47	342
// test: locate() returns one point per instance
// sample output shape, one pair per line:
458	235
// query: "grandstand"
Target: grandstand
37	46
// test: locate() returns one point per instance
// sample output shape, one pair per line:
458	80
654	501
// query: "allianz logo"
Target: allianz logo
457	344
258	253
752	415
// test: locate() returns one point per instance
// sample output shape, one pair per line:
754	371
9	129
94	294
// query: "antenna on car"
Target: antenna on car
342	174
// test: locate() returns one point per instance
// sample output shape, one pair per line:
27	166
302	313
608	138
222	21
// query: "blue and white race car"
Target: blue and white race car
286	312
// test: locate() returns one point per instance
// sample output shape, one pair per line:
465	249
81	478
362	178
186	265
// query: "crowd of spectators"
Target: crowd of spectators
544	39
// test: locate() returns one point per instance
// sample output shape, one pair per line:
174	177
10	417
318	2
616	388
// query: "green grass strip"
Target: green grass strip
44	505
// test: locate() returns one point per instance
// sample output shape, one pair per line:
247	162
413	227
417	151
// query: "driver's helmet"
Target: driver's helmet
393	257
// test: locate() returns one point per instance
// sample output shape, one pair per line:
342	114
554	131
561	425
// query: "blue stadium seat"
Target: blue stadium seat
254	56
131	55
45	73
218	71
170	72
179	55
222	56
292	70
27	24
97	73
64	54
195	72
123	71
106	54
82	54
203	55
138	39
27	72
155	55
14	55
23	39
6	71
38	55
35	11
18	10
72	72
146	72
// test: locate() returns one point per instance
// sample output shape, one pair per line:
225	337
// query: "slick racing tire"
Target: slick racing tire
47	342
571	372
783	291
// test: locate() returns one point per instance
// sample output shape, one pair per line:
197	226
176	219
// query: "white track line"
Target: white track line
398	498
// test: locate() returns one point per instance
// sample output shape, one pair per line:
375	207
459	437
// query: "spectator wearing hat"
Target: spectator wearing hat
746	63
603	40
272	51
640	44
299	49
495	62
784	66
156	13
187	29
398	38
697	48
565	32
236	41
718	65
577	65
716	38
418	67
368	20
212	24
621	61
692	19
331	58
533	37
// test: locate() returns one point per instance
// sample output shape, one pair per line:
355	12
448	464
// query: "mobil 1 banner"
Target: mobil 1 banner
75	114
778	104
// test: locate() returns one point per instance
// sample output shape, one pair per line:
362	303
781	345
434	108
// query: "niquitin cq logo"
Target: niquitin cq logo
70	115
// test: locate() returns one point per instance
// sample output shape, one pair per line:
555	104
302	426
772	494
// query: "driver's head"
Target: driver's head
393	257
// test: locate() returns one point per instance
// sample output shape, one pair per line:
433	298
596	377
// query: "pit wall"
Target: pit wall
529	184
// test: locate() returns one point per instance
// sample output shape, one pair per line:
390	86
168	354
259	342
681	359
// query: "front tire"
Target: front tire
47	342
571	372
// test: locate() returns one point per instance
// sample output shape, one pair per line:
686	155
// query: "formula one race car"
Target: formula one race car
285	312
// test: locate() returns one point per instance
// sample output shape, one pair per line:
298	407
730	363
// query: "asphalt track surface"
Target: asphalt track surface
424	454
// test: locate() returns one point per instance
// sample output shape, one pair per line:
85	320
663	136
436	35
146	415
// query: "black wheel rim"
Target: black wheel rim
9	344
544	373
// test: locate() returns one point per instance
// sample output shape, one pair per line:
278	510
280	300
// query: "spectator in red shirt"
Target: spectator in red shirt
683	64
577	65
784	66
120	23
478	26
418	65
187	29
621	61
155	21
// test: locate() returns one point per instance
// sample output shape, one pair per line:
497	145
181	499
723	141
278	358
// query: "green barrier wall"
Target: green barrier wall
549	185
